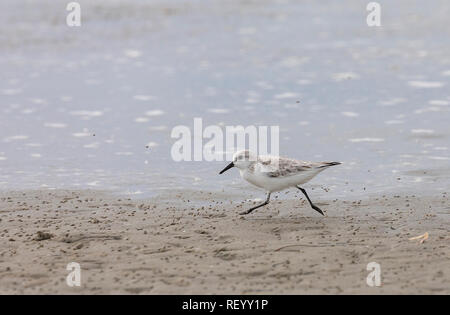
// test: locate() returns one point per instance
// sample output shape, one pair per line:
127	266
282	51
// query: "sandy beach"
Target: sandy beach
195	242
92	115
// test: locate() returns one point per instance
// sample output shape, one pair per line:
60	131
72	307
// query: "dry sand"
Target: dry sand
196	243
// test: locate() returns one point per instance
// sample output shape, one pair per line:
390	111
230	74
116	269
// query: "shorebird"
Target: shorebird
273	173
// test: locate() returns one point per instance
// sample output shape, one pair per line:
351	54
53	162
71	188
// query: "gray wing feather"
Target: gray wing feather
280	167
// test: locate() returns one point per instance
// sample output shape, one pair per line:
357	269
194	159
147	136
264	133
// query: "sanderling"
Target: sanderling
274	173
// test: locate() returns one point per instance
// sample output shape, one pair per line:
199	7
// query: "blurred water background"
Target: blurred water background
94	106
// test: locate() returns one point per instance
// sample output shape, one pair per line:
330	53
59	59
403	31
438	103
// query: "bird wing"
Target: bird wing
280	166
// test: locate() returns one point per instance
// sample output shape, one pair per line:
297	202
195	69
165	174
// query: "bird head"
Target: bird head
242	160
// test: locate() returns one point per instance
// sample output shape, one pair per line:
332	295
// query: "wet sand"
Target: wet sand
196	243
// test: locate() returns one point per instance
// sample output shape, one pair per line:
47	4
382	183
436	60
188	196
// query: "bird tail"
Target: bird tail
328	164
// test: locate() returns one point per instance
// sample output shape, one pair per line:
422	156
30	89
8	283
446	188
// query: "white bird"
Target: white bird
273	173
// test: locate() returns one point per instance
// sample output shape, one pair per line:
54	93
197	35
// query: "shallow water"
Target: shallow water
94	106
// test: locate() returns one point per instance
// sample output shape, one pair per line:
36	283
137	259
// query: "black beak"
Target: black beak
227	168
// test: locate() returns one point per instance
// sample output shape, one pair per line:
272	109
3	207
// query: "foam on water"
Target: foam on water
15	138
155	112
143	97
87	113
439	102
218	110
394	122
393	101
349	114
286	95
422	131
343	76
426	84
55	125
141	119
357	140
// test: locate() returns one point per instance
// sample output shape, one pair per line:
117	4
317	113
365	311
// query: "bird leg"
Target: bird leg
309	200
261	205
